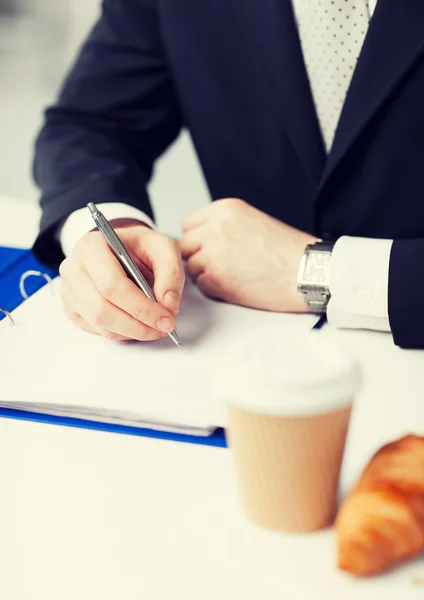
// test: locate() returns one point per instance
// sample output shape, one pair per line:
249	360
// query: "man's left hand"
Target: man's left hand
241	255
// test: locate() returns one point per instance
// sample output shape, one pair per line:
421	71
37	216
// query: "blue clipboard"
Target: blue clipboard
217	439
8	256
13	263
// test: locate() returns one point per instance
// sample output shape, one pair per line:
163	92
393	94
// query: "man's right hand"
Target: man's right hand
100	298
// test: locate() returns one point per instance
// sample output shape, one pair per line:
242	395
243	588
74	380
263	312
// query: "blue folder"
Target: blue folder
15	262
9	256
217	439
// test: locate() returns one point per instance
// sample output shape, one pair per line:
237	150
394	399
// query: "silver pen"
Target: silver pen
124	258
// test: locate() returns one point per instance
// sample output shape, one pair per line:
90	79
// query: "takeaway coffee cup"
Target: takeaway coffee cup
289	403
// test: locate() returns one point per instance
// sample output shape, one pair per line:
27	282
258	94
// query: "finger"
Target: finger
103	316
195	266
113	285
190	243
70	302
208	286
163	256
78	320
82	324
196	218
109	319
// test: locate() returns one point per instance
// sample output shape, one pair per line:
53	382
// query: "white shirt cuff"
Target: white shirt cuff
359	284
80	222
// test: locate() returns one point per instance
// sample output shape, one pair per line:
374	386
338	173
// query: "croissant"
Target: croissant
381	522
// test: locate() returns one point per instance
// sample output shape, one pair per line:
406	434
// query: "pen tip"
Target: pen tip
174	337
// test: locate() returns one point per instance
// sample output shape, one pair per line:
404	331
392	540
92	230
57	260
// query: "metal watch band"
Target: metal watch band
317	300
317	296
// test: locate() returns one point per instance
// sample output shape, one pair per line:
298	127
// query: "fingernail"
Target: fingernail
165	324
172	299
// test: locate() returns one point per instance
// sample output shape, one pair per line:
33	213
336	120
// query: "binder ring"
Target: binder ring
9	316
30	274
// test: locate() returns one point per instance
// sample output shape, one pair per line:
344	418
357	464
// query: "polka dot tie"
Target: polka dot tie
332	33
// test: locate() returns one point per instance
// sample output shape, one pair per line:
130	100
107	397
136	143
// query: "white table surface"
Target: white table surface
89	515
18	222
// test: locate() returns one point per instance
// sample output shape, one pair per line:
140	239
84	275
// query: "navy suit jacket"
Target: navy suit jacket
232	73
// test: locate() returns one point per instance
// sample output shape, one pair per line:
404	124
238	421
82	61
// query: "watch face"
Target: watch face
316	267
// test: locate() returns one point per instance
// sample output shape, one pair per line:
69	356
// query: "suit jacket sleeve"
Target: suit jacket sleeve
116	113
406	293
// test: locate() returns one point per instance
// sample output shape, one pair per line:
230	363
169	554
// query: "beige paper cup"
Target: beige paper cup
289	404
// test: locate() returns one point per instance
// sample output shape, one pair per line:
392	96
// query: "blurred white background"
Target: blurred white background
38	41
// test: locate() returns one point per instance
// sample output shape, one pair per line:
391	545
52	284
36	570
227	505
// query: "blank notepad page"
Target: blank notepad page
48	365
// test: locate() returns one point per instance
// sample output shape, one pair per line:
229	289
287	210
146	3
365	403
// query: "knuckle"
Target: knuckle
190	267
140	313
180	278
108	289
232	206
156	336
191	271
234	202
228	212
219	226
229	203
213	276
203	284
211	279
76	320
177	274
145	334
170	245
70	314
101	314
153	335
112	335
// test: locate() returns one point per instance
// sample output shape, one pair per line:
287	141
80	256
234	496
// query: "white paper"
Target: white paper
48	365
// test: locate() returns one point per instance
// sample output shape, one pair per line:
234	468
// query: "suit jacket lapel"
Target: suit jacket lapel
271	30
394	41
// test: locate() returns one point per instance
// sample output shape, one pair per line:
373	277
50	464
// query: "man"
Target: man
307	117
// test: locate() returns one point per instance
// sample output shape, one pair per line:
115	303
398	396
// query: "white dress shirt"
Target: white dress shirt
359	268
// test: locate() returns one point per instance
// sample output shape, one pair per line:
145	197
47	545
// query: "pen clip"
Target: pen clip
104	226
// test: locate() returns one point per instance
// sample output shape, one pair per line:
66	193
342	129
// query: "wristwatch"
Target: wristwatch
313	276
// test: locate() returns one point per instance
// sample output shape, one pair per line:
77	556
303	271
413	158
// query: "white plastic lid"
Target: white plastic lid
275	374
